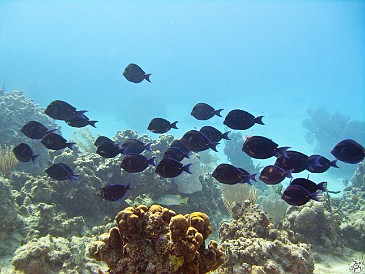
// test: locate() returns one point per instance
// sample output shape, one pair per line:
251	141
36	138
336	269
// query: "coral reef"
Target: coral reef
15	111
154	239
7	160
313	224
327	129
51	255
253	245
353	208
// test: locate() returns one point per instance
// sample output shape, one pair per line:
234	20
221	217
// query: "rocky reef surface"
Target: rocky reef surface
154	239
253	245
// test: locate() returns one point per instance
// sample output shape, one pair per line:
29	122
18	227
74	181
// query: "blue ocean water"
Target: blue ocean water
271	58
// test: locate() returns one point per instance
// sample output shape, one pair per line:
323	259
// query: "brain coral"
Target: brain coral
154	239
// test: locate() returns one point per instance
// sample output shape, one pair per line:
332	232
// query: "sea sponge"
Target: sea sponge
154	239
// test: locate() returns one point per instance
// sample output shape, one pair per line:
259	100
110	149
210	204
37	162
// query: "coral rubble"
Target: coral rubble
154	239
253	245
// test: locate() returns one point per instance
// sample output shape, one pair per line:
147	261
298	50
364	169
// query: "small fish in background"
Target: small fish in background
273	175
297	196
170	200
134	146
178	144
231	175
133	73
61	172
309	185
349	151
196	141
296	161
260	147
79	122
325	164
135	163
61	110
108	149
55	141
102	139
203	111
240	119
213	134
24	153
175	153
113	192
170	168
35	130
161	125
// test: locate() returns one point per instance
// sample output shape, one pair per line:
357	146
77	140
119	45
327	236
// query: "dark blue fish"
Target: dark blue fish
60	110
133	73
161	125
349	151
170	168
240	119
24	153
203	111
35	130
136	163
260	147
178	144
108	149
272	175
134	146
213	134
231	175
325	164
175	153
113	192
309	185
296	195
296	161
55	141
102	139
196	141
61	172
79	122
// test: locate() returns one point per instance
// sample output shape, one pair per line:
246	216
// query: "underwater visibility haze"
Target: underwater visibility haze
182	136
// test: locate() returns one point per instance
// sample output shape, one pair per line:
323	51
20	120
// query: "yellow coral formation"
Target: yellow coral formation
155	240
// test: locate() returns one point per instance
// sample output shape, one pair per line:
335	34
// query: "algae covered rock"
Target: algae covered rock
51	255
154	239
253	245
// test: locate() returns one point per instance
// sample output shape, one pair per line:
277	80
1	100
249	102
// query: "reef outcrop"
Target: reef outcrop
154	239
253	245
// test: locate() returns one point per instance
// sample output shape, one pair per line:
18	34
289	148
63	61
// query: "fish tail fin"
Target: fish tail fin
225	135
314	196
35	157
147	77
92	123
258	120
213	145
70	145
186	168
50	131
151	161
288	174
128	186
282	151
73	178
218	112
185	200
252	177
81	114
173	125
147	146
334	163
322	186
